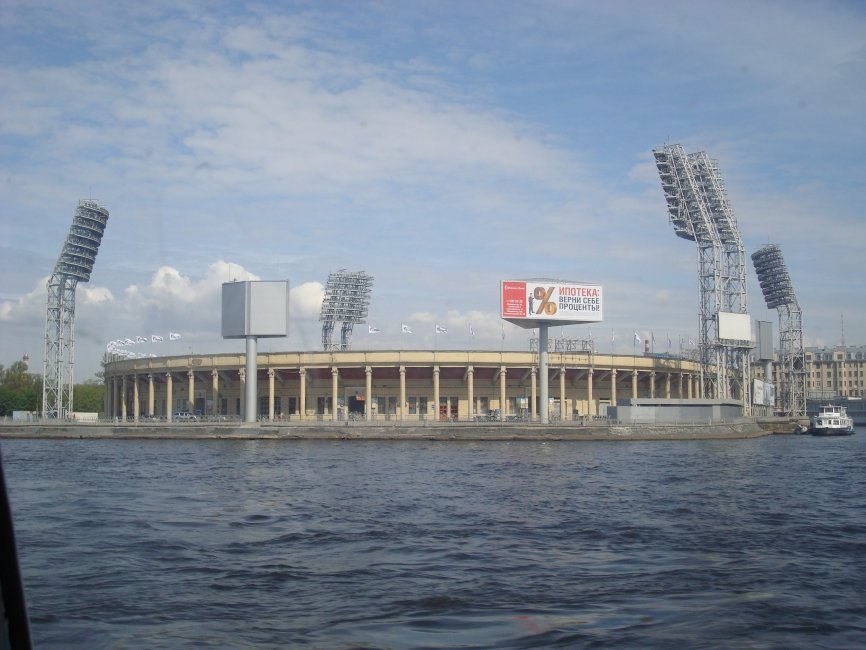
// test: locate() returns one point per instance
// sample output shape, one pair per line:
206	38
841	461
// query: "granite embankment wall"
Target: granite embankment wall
355	431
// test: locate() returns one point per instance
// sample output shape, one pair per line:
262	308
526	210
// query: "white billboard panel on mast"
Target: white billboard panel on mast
258	308
527	303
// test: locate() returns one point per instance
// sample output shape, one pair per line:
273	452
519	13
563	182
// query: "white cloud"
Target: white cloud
303	119
305	300
422	317
29	308
168	287
94	295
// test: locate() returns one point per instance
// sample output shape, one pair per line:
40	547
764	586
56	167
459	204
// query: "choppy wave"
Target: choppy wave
269	544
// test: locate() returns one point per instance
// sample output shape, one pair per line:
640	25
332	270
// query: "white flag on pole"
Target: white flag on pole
441	330
637	339
140	339
405	328
128	342
372	330
173	336
471	331
155	337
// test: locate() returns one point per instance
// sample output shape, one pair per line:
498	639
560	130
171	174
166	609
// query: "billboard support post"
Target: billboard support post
250	310
544	407
252	371
542	303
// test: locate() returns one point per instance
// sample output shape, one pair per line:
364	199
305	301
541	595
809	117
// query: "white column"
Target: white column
335	374
302	402
123	400
242	378
169	398
402	392
271	394
190	399
503	405
368	397
215	391
436	392
470	391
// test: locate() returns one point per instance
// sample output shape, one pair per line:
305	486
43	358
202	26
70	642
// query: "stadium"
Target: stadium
395	385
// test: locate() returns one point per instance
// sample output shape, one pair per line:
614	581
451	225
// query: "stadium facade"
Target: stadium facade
391	385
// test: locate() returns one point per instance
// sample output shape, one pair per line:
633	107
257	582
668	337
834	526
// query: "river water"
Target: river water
756	543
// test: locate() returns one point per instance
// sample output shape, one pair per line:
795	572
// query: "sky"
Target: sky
439	146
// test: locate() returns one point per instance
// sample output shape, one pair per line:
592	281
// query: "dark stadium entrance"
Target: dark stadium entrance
356	403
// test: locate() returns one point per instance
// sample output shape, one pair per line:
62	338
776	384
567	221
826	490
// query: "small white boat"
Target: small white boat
831	421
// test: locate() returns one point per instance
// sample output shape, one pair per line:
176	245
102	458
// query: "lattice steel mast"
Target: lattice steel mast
699	211
74	265
734	299
779	295
347	298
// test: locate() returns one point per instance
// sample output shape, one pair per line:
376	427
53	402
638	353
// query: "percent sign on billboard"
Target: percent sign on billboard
525	302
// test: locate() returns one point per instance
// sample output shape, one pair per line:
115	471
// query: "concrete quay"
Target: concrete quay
375	431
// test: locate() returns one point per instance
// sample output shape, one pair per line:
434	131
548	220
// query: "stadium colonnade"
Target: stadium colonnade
390	385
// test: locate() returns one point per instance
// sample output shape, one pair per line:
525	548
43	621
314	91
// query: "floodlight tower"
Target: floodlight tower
733	347
779	295
698	210
690	220
347	299
74	265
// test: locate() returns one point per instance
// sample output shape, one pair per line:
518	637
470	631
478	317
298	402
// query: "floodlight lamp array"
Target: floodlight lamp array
773	277
670	162
347	297
79	251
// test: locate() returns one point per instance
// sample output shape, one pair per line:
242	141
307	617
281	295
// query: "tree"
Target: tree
89	397
19	389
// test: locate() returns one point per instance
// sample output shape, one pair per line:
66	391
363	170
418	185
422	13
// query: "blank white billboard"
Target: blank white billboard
763	394
258	309
735	327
